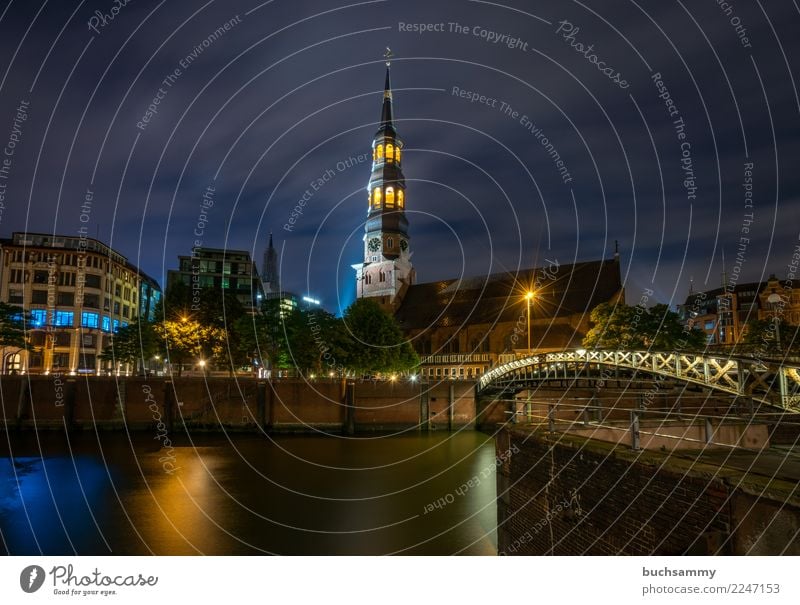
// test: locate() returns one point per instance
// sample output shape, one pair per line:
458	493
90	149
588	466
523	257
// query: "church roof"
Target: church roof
560	291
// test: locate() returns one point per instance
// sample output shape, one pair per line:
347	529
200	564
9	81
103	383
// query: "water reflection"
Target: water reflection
248	495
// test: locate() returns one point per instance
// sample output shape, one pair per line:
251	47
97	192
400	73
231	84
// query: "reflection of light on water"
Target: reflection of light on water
26	495
184	502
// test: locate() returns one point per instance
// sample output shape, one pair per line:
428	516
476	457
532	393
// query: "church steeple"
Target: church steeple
387	124
386	271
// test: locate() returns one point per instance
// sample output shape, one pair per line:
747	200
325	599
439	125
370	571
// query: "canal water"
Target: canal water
115	493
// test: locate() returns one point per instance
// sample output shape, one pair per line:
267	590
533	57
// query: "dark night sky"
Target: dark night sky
294	88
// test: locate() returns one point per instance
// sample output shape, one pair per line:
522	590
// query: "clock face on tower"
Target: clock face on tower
374	244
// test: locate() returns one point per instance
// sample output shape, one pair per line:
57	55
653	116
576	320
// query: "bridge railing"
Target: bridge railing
771	382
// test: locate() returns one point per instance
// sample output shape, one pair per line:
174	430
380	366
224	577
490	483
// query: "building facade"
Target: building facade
386	272
231	271
462	327
78	292
723	313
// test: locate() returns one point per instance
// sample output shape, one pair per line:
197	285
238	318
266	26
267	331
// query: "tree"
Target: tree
12	326
619	326
374	341
136	341
761	338
187	341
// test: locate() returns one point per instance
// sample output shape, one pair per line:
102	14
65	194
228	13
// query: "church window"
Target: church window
390	243
382	276
389	153
379	153
376	197
368	278
400	198
397	153
390	197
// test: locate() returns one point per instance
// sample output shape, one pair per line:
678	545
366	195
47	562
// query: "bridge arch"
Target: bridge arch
766	381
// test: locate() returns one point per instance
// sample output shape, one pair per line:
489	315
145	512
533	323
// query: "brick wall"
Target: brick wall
569	496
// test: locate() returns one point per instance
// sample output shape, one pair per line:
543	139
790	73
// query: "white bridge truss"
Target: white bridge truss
769	382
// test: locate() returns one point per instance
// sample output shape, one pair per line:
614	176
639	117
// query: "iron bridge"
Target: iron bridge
771	382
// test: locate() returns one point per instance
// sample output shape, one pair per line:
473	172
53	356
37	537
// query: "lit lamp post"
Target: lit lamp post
774	299
529	298
202	364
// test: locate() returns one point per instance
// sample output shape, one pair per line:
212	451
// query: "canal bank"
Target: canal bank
565	494
236	404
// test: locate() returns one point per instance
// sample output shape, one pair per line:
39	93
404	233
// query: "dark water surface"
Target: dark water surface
247	494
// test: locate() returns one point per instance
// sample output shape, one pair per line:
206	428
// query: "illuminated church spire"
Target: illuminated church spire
386	271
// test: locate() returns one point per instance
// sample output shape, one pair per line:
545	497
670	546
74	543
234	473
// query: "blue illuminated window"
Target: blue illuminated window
106	324
116	325
39	317
90	320
124	324
64	318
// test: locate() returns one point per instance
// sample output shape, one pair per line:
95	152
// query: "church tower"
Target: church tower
269	269
386	271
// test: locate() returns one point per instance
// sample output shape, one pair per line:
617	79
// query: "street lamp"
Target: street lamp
529	298
775	300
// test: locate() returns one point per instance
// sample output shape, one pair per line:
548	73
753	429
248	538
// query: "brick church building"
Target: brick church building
462	327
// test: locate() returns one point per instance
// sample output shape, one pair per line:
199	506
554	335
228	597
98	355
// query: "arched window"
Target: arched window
368	278
397	153
401	203
390	243
382	276
390	197
379	153
376	197
389	152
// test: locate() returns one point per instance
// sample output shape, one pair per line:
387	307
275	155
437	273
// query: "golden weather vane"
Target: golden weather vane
388	56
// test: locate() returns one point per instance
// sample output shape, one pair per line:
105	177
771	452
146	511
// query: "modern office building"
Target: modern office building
225	270
78	292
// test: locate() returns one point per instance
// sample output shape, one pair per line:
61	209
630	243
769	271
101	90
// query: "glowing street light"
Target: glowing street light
529	298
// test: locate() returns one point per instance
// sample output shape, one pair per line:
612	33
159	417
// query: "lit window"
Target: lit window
400	198
376	197
106	324
116	325
38	317
63	318
90	320
389	152
397	153
390	197
379	153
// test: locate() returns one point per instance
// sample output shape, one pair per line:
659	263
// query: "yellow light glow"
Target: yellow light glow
390	197
529	295
400	198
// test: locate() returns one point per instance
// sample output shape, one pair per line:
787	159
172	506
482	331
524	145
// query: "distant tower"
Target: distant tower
386	271
269	270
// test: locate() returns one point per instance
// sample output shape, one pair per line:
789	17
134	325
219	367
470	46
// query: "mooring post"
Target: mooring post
261	404
69	403
450	406
168	404
635	430
349	407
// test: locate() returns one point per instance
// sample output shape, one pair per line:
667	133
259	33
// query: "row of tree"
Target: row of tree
219	331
